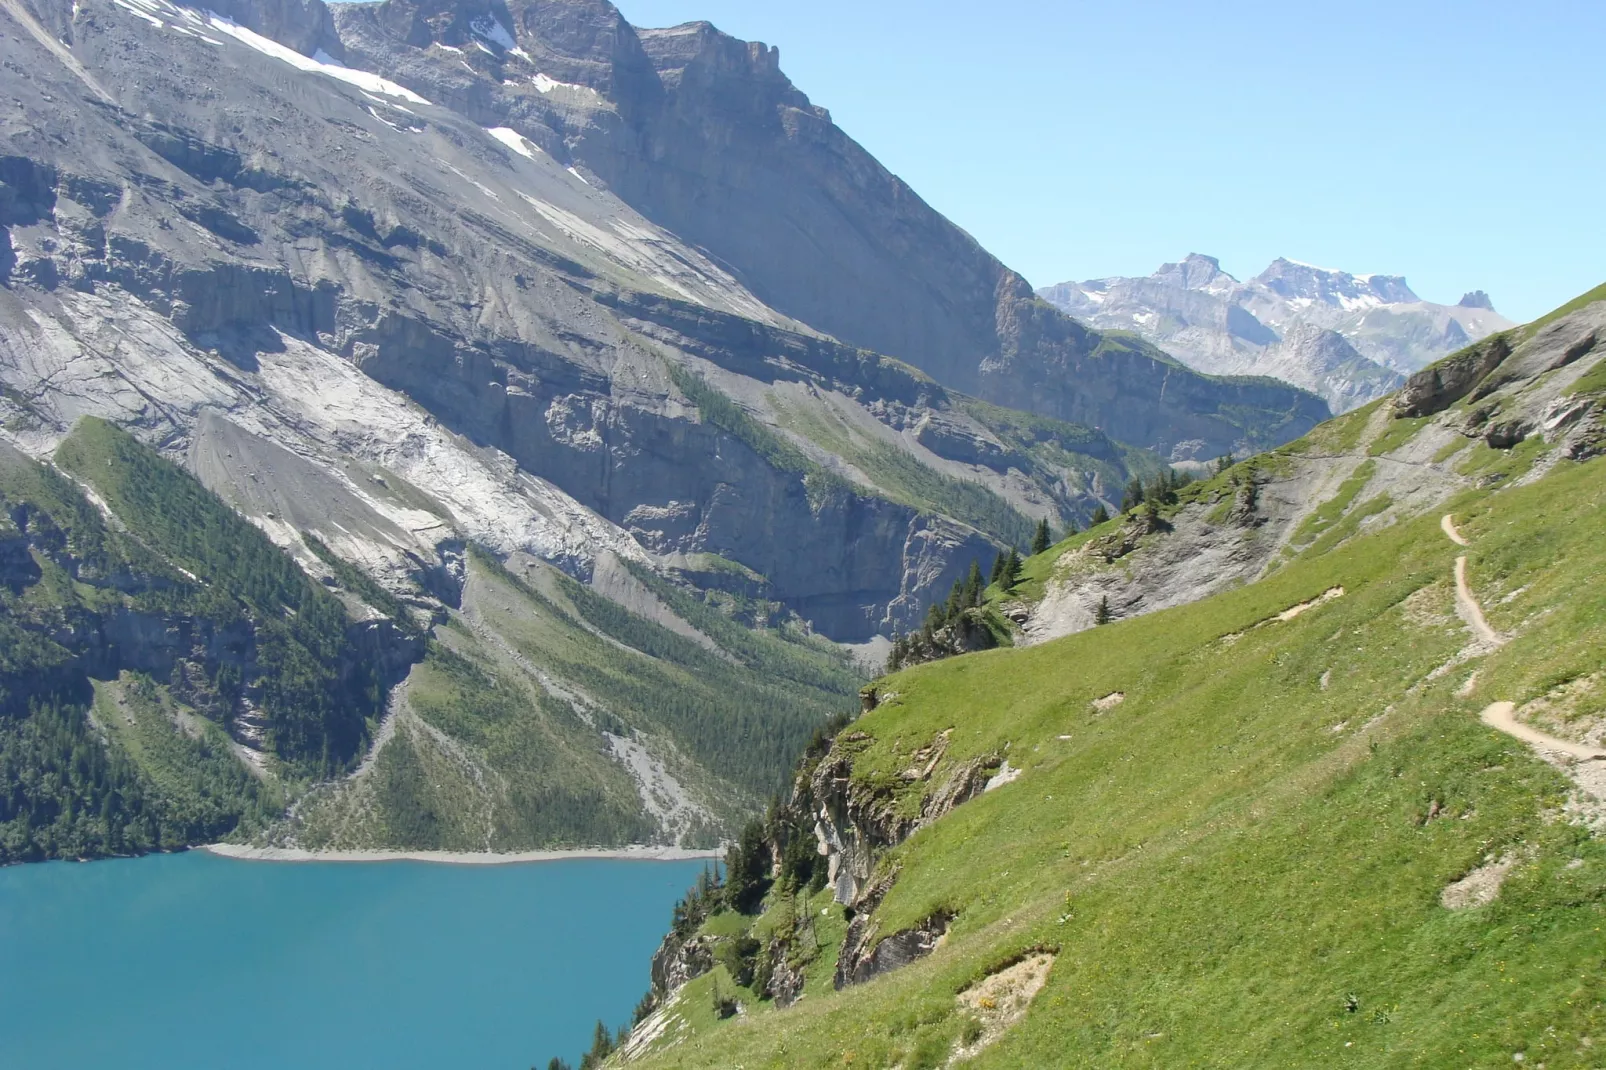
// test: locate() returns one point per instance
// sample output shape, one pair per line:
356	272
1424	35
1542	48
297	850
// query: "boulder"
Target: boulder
1436	388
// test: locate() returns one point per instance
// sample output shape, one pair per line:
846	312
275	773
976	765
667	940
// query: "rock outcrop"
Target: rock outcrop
856	821
1436	388
679	960
1537	381
497	217
867	954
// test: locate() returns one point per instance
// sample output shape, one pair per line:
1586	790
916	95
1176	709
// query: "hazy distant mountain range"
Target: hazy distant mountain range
1349	338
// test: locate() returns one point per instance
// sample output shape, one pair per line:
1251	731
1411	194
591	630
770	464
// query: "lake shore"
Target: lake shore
455	858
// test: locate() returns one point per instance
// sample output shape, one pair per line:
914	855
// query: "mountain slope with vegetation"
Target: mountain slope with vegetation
1282	824
167	669
446	277
170	676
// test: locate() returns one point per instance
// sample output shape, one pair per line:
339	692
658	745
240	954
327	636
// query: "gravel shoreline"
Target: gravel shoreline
458	858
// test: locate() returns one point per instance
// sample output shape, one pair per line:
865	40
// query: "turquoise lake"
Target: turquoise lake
196	961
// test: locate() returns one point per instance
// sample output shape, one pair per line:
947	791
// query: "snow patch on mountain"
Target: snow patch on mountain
492	30
319	62
514	140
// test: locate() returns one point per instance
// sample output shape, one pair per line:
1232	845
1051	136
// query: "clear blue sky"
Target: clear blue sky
1462	145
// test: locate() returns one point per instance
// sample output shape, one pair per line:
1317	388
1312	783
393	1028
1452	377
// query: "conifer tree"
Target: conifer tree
601	1048
1040	539
1101	615
973	586
1100	515
1133	494
1011	569
998	569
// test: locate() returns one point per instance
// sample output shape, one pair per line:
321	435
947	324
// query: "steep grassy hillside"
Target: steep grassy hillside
1267	828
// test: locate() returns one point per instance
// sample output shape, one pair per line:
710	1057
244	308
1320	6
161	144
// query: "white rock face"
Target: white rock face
110	356
1349	338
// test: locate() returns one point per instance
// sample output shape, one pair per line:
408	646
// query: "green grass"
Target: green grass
780	653
1591	382
1451	448
1342	434
1583	300
554	786
1398	432
746	723
1038	568
1227	858
1483	461
1349	525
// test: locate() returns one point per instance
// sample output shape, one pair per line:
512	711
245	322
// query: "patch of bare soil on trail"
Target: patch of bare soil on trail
1584	765
1503	715
1447	525
1110	701
1300	607
1574	711
1288	614
1466	606
1000	1000
1482	885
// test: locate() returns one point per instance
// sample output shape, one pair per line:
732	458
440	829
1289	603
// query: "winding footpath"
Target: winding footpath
1469	610
1503	715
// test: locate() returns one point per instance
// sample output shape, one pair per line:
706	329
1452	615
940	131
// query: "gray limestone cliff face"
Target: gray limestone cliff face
166	264
856	823
704	135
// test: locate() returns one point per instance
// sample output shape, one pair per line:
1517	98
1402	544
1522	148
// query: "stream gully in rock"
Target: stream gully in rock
196	960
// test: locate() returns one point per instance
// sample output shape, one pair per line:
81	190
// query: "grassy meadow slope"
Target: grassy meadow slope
1267	828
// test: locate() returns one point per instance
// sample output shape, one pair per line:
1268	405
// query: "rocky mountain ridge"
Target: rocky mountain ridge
1353	475
518	304
506	315
1349	338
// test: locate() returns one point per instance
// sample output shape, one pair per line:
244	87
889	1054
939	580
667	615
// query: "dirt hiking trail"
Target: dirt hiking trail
1503	715
1469	610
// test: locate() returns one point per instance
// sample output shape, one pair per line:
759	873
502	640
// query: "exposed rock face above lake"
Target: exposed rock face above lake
524	227
1349	338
